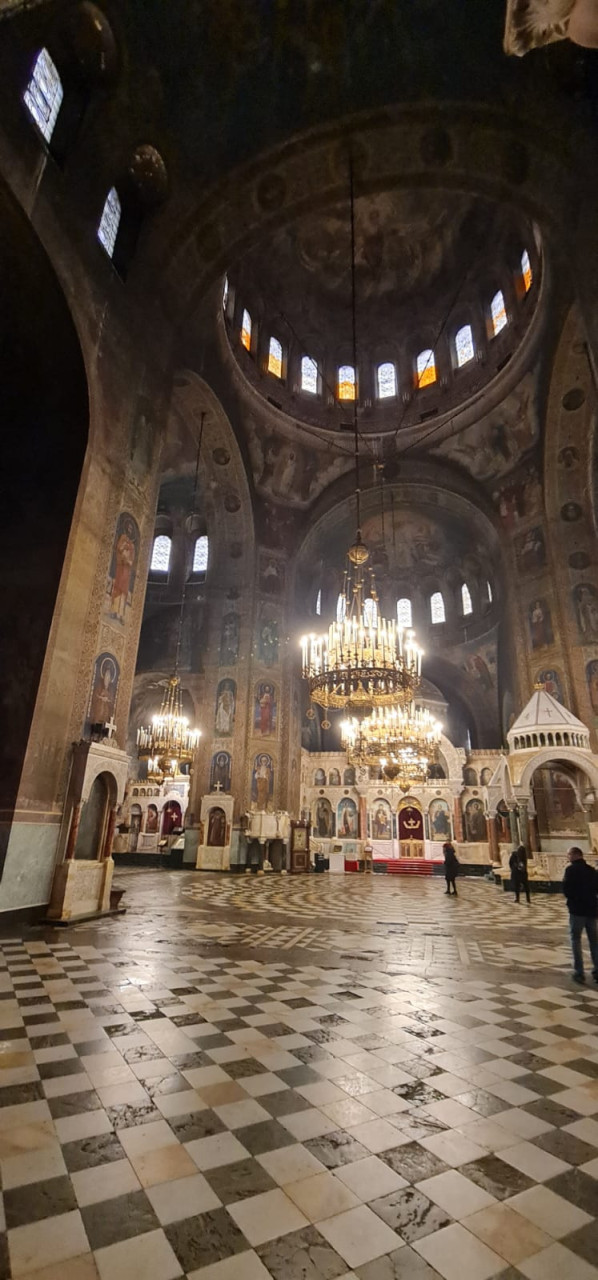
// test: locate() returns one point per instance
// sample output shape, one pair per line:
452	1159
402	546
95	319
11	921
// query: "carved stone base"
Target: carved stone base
213	859
80	888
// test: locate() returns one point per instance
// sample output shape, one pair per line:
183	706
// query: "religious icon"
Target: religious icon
324	818
540	624
349	777
381	821
262	781
585	598
151	822
592	679
440	823
530	550
475	822
551	681
264	720
568	457
271	575
106	675
268	640
470	777
347	824
229	639
122	572
220	772
217	828
226	696
334	778
485	777
476	666
319	778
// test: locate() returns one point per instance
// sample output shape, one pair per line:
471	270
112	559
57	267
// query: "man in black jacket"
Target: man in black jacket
580	887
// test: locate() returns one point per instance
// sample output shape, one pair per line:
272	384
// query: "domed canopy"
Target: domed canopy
544	722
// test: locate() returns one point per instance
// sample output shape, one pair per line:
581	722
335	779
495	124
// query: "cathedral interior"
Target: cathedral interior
300	324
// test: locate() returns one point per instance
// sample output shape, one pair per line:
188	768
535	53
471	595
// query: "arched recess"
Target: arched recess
225	503
575	758
571	516
46	412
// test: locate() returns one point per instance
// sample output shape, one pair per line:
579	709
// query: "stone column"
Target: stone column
107	849
534	834
492	837
513	824
458	819
524	823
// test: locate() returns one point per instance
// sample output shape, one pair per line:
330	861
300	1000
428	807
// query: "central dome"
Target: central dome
438	274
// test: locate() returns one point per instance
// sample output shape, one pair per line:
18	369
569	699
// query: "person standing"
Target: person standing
519	876
451	867
580	887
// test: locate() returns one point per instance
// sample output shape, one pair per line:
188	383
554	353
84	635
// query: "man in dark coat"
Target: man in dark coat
580	887
519	877
451	867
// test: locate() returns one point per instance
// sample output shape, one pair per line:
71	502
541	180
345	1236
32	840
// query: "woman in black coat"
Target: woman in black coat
451	867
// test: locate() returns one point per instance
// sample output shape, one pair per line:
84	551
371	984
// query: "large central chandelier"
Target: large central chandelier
168	742
402	741
364	661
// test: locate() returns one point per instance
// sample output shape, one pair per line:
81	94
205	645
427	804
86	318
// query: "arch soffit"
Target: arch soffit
477	149
221	480
550	755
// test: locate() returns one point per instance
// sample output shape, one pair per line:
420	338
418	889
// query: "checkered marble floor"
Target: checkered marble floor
178	1111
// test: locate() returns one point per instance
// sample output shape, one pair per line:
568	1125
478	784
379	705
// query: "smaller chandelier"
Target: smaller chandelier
168	742
402	741
365	661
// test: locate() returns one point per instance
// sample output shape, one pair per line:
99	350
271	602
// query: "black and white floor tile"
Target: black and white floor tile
176	1109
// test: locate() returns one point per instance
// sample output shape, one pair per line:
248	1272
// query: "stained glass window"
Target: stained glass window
309	375
275	358
319	602
346	382
109	222
200	554
425	368
489	592
44	93
370	612
387	380
341	608
466	600
161	553
225	293
404	612
526	270
437	607
246	330
498	313
464	347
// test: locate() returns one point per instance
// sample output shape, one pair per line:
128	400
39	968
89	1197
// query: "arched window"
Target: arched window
386	377
370	612
246	330
498	313
341	608
160	560
526	270
319	603
44	93
425	367
110	222
346	382
309	375
489	593
437	612
466	604
225	292
464	348
200	554
404	612
275	358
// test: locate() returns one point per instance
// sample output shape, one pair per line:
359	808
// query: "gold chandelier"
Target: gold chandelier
168	742
365	661
400	740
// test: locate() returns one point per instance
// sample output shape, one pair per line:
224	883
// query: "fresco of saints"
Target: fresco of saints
122	567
